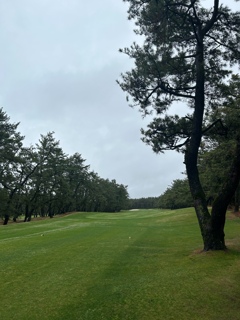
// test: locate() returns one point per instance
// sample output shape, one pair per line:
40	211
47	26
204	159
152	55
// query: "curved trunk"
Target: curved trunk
191	154
212	226
220	204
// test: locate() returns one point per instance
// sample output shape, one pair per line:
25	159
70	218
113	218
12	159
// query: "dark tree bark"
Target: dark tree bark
6	218
191	154
236	200
220	204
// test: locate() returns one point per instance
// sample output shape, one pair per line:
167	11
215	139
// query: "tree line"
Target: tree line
176	196
143	203
42	180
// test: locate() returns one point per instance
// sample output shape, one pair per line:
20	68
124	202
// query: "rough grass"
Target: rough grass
139	265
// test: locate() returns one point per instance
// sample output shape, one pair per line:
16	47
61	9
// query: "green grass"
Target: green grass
132	265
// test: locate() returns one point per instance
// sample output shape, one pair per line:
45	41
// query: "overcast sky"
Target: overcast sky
59	62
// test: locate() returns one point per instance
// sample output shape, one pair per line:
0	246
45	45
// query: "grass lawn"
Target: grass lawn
132	265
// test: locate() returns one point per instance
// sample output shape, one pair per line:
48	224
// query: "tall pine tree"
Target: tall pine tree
187	53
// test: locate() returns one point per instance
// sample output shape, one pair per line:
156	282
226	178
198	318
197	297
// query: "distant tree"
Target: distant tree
120	195
176	196
144	203
72	192
23	171
50	174
108	196
11	143
186	55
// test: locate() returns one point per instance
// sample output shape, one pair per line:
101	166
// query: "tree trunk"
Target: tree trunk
26	213
6	218
211	225
216	241
42	212
220	204
236	200
191	154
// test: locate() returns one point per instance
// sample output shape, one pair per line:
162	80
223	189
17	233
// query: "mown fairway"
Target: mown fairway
130	265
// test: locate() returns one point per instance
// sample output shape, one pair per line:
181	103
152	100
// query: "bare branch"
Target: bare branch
213	125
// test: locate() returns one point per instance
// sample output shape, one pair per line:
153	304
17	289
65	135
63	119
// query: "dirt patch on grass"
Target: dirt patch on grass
233	215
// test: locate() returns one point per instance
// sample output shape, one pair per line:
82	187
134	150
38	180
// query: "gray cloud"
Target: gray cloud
59	63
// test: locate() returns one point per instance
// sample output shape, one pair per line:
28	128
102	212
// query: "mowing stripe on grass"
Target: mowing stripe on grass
138	265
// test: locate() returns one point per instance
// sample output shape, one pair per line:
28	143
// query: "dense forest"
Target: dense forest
42	180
